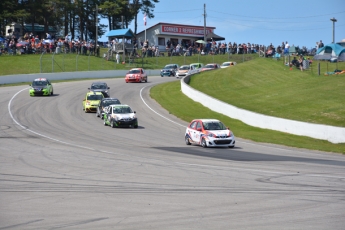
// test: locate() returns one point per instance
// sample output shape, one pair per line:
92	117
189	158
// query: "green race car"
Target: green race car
41	87
91	101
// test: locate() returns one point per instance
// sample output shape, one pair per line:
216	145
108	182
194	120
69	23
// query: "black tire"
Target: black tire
112	124
186	139
52	93
231	147
104	123
97	114
203	143
135	126
146	80
85	110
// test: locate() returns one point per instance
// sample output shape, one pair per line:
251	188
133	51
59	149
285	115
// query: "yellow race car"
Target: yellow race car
91	101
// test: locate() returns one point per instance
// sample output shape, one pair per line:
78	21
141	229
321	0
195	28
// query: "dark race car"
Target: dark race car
104	103
169	70
41	87
100	87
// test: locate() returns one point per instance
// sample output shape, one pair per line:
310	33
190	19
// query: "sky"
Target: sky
300	22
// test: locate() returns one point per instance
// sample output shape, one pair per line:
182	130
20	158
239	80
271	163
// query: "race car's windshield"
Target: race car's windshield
94	97
169	67
196	66
134	71
185	67
111	102
120	110
99	86
39	83
225	64
214	125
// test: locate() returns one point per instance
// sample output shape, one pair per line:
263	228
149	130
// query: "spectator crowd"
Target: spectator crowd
30	44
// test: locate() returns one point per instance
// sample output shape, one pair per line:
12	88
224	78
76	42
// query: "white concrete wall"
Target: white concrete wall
324	132
8	79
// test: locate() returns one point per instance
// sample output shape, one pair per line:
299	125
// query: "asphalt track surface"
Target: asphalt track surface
60	168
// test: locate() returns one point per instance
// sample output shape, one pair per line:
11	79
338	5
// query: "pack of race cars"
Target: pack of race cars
110	110
204	132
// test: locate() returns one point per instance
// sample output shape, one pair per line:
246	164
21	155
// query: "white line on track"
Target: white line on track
141	96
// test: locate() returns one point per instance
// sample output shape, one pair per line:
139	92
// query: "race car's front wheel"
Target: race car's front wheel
97	113
135	126
186	139
104	123
112	124
203	143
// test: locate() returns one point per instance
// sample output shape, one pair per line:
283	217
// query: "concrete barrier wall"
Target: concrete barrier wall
8	79
324	132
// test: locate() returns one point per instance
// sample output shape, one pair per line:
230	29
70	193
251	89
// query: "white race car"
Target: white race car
209	133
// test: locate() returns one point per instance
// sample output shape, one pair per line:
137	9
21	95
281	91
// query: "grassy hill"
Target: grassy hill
269	87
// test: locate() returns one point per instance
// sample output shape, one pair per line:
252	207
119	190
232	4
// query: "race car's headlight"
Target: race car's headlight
211	135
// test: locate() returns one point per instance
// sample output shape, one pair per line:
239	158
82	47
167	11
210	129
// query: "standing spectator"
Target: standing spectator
321	44
230	47
117	58
286	48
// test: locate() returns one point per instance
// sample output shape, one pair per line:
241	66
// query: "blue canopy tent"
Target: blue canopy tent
330	51
123	34
120	33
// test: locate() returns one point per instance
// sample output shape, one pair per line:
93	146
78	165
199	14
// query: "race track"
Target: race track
60	168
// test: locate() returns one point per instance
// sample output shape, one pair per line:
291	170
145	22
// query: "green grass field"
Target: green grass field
49	63
262	85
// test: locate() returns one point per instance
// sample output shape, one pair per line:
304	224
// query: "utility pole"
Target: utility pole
123	42
204	23
333	20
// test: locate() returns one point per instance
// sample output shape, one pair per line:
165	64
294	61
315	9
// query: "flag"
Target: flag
145	19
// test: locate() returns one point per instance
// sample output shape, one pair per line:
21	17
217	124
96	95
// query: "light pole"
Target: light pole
333	20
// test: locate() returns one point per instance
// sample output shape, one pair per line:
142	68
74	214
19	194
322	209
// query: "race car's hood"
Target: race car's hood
183	71
94	102
38	88
167	70
125	116
220	133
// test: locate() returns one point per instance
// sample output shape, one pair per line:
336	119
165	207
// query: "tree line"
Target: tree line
74	17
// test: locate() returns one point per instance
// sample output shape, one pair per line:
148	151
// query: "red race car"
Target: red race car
136	75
